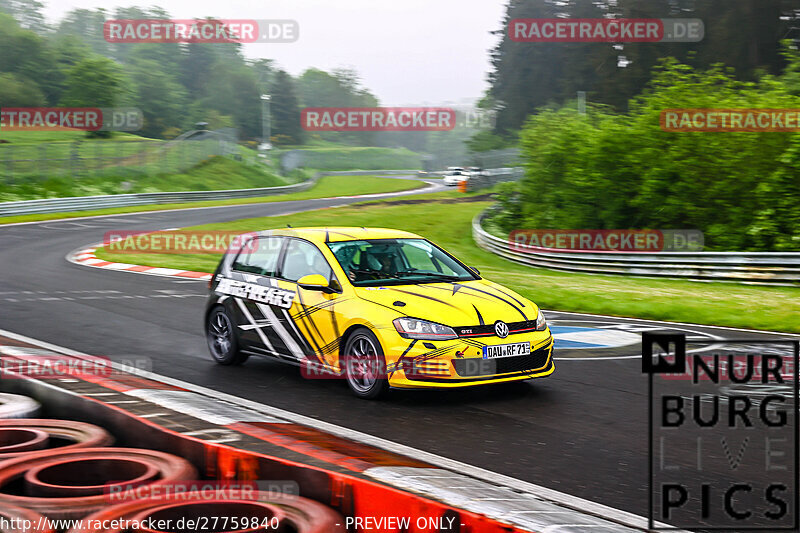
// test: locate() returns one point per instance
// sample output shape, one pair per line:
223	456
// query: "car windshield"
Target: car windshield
397	262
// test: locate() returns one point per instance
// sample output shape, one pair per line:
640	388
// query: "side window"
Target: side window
261	258
302	259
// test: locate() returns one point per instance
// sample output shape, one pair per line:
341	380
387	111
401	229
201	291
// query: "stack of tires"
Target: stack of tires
16	406
63	470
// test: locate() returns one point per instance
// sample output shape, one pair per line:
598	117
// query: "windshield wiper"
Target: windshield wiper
400	274
444	277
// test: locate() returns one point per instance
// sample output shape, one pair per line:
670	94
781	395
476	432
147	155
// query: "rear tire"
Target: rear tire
365	365
222	340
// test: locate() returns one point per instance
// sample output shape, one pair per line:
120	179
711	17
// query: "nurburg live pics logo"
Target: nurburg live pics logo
723	443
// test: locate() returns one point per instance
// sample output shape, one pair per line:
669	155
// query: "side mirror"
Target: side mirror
477	272
313	282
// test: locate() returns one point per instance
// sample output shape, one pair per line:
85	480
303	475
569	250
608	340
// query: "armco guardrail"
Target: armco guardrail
742	267
83	203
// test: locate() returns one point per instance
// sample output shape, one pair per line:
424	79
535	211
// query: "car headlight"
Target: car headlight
413	328
541	322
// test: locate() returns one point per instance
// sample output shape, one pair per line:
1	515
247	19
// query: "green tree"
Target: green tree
27	56
19	92
609	170
160	97
232	91
27	12
485	140
120	51
340	88
197	65
87	25
92	82
285	110
69	50
526	76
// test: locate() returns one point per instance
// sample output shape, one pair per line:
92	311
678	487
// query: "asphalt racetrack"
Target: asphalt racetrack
582	431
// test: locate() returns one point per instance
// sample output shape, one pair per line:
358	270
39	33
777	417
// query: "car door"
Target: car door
258	296
312	320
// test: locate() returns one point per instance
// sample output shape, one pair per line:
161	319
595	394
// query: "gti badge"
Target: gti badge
501	328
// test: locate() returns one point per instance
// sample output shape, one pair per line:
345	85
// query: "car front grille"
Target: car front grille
486	330
502	365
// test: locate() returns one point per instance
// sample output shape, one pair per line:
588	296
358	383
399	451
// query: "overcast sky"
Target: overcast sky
406	51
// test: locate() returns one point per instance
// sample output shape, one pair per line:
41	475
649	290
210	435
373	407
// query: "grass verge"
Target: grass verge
449	225
325	187
209	174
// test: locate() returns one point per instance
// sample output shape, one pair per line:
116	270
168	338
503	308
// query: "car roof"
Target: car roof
322	235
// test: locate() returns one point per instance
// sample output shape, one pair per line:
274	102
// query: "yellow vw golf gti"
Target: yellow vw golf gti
380	308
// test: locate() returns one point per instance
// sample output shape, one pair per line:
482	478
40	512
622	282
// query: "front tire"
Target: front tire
221	337
365	365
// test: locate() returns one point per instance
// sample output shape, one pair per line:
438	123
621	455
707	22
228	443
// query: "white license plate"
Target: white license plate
506	350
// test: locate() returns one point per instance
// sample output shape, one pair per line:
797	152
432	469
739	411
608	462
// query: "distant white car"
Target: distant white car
455	175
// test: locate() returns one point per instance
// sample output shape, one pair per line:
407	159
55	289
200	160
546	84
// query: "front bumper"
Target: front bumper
458	363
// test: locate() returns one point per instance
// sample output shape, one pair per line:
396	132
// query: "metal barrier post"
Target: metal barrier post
74	158
43	159
9	164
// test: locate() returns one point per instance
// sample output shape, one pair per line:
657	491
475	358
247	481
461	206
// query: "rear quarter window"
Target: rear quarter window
261	258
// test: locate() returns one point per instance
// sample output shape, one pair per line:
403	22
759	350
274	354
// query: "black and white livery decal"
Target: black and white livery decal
257	293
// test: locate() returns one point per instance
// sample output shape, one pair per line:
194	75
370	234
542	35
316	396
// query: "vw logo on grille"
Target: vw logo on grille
501	328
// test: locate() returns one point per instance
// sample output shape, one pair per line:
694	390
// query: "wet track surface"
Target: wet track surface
582	431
